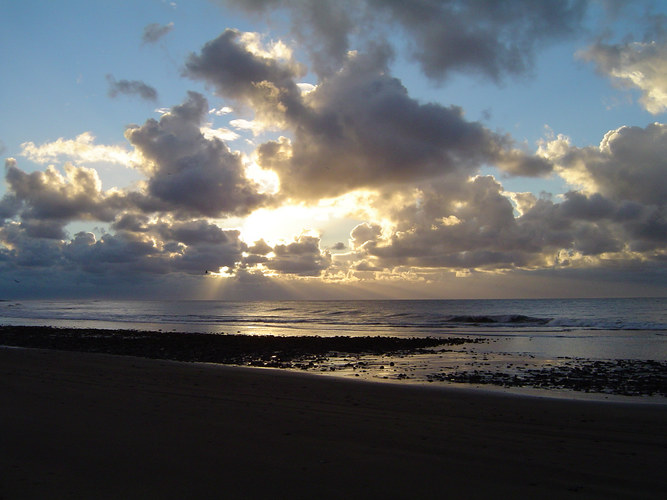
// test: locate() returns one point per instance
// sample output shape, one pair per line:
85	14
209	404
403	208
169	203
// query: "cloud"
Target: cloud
159	247
364	233
9	207
630	164
224	134
302	257
220	111
487	38
426	210
123	253
190	173
634	65
80	149
239	67
361	129
470	224
205	247
131	88
154	31
490	38
50	196
25	250
260	247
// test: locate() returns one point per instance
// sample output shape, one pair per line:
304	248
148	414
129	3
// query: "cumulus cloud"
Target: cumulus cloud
154	31
630	164
361	129
189	172
260	247
358	129
365	233
51	196
238	66
20	248
302	257
199	246
123	252
155	247
640	65
131	88
619	214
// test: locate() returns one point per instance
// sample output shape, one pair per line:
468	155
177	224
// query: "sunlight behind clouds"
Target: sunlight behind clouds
332	142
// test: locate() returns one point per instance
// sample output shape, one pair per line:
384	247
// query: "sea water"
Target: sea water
528	332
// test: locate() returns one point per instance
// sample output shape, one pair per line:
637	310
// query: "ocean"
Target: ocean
517	337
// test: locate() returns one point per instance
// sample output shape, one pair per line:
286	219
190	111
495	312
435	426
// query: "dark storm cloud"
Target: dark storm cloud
154	31
190	174
131	88
489	38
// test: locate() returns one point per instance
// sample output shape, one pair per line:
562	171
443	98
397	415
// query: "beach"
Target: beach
91	425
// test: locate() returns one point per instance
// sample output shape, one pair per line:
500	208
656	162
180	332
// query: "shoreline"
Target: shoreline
84	424
442	360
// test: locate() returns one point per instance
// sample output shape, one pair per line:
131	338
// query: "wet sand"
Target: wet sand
84	425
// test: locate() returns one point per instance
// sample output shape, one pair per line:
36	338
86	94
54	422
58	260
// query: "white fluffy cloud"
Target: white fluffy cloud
640	65
82	149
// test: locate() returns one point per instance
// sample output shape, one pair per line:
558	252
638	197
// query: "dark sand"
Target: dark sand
82	425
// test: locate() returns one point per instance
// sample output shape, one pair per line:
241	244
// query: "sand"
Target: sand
82	425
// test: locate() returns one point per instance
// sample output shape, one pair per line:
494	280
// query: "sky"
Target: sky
303	149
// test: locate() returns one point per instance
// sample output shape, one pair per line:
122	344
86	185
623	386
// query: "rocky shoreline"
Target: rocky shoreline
251	350
323	354
624	377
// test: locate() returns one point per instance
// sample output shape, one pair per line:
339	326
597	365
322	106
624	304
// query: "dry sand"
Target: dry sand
76	425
